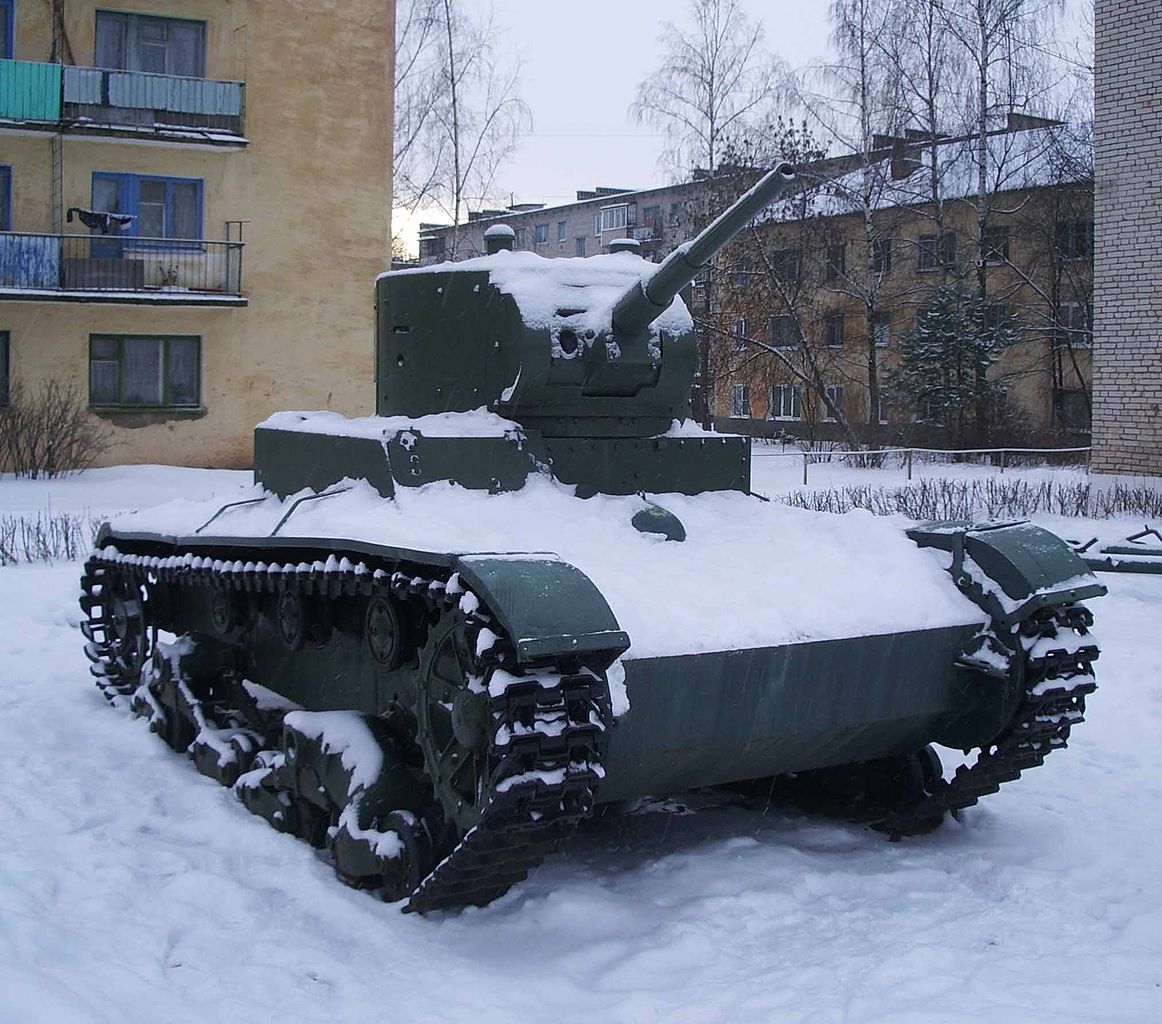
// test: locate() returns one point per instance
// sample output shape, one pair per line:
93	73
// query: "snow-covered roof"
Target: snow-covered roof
1015	160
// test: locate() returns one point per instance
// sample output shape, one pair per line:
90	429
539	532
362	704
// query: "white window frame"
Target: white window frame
784	397
738	333
835	393
613	218
739	402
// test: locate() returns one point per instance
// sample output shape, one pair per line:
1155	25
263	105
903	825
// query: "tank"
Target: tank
435	640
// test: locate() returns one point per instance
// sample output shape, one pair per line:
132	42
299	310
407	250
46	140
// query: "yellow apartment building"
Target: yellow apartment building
195	199
818	291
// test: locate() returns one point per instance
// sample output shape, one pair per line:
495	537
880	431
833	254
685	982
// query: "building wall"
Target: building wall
1036	370
1127	427
313	185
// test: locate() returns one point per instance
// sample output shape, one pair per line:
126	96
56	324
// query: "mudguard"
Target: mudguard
549	607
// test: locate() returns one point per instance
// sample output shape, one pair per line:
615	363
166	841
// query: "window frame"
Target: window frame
943	251
562	231
835	393
5	197
129	198
738	333
792	338
1073	336
990	255
1065	239
880	256
829	323
166	387
8	15
541	234
580	246
835	261
740	399
132	20
520	238
881	321
604	218
775	400
784	260
5	369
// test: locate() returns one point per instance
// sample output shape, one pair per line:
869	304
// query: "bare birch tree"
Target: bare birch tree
715	83
463	115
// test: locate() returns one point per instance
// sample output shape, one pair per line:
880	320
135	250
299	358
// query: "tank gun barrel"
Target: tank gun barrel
648	299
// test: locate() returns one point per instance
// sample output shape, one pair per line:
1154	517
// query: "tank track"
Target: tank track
545	736
1059	655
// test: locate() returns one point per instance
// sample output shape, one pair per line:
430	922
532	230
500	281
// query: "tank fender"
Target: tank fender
549	607
1011	570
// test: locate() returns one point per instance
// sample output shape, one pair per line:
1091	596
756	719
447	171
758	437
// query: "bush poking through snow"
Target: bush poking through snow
49	432
45	538
991	498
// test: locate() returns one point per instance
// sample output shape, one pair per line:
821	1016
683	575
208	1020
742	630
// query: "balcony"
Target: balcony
128	104
122	269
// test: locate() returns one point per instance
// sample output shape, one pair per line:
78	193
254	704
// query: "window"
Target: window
160	207
5	199
997	316
994	245
1072	408
835	397
580	246
141	371
541	234
785	264
161	46
522	238
675	214
1074	239
833	331
836	265
881	328
937	251
562	230
738	330
784	332
880	256
652	218
740	402
433	248
1074	322
882	408
614	218
785	402
5	368
6	27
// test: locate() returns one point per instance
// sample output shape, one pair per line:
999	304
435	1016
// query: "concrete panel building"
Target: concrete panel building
1127	374
195	198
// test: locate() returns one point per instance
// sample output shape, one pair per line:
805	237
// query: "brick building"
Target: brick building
1127	422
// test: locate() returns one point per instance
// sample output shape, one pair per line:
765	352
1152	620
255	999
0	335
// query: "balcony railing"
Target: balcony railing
92	99
147	269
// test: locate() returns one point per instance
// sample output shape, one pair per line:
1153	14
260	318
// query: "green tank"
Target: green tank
435	640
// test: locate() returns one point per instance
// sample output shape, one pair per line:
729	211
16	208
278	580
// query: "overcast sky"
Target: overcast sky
581	62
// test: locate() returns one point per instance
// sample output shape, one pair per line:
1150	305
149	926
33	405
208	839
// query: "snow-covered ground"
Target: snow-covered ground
133	889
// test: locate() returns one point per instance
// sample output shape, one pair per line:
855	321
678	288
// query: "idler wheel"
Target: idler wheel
382	629
453	724
127	636
403	874
291	620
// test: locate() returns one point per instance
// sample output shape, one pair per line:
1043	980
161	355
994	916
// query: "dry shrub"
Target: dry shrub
49	432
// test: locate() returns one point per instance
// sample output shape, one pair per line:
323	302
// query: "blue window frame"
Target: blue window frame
7	28
162	208
5	198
